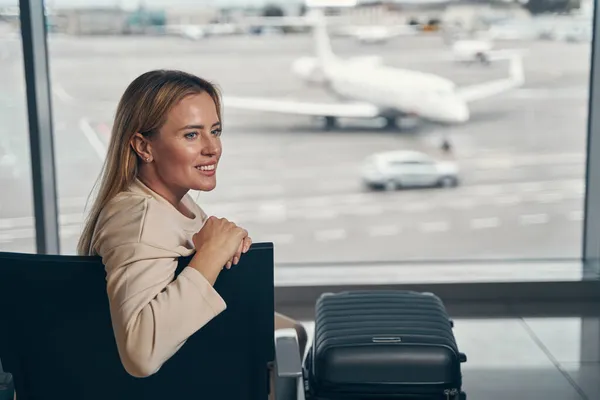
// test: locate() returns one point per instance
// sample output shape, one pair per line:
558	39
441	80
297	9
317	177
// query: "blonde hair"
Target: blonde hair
143	108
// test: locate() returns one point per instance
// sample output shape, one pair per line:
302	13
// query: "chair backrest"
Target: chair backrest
56	336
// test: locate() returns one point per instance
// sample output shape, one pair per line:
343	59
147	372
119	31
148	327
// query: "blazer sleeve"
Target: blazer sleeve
152	314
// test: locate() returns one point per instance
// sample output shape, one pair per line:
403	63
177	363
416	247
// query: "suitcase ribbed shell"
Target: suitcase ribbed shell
383	342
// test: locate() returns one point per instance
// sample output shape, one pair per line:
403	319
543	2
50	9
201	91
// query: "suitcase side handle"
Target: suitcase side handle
289	382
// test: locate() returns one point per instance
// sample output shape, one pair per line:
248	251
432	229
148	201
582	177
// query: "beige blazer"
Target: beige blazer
139	236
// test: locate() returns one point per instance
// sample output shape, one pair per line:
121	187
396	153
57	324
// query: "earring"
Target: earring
147	159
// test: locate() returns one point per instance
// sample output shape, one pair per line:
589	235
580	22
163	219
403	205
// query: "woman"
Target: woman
165	142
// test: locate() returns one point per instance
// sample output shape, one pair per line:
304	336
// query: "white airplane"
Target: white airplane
201	31
376	34
368	89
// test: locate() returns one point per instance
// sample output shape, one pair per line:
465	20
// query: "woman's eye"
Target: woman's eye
217	132
191	135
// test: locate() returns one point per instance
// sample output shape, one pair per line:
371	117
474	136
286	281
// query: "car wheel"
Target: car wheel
391	185
448	181
372	186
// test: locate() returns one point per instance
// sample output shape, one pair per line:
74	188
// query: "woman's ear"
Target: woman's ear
142	147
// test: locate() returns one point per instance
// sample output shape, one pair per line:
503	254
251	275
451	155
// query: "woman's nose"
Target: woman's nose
211	147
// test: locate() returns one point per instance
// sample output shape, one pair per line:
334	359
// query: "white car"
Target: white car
399	169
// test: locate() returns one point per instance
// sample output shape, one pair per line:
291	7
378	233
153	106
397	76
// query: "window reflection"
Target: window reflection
293	170
16	205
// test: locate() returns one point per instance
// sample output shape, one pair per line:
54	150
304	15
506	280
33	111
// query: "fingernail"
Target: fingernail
235	260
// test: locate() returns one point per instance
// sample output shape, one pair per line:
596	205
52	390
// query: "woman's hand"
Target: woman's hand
244	247
217	244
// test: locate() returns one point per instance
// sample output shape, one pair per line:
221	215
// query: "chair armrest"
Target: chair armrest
289	382
7	388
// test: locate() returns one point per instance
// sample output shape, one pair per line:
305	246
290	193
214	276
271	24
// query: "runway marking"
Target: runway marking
29	233
271	190
416	207
576	216
318	201
377	203
29	222
434	227
329	235
92	137
272	208
62	94
321	214
494	163
551	93
551	197
250	174
508	200
529	187
462	203
483	167
4	54
337	184
299	174
508	160
271	213
487	190
356	198
533	219
580	190
384	230
280	238
20	222
70	231
485	223
366	210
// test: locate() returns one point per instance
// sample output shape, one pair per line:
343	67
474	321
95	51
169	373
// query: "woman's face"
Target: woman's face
186	152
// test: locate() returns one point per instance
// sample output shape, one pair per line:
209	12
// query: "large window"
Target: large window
474	146
17	231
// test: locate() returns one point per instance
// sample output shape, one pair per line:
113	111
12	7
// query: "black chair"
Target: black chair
56	336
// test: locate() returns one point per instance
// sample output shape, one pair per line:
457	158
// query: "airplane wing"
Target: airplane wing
287	106
488	89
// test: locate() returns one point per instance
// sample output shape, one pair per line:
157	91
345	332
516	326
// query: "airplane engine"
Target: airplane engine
309	69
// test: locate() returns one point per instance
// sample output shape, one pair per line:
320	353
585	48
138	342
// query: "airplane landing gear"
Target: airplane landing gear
391	123
329	123
482	58
402	123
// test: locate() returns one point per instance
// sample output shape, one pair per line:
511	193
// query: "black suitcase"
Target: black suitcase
383	345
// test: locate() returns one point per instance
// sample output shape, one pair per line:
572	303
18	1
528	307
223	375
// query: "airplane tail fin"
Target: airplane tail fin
323	48
516	78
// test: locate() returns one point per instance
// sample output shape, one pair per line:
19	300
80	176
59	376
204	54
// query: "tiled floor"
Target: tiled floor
523	357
